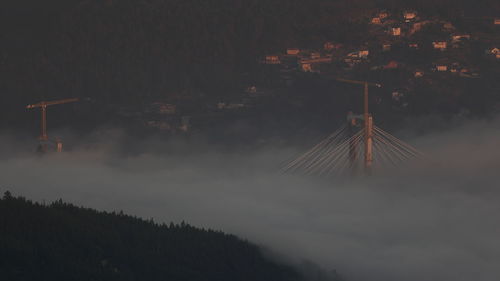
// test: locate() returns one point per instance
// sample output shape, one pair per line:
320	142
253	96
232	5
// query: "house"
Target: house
386	47
354	55
460	37
272	59
413	46
308	64
440	45
363	54
495	52
496	21
315	55
376	20
396	31
306	67
251	90
418	73
328	46
383	15
392	65
418	25
397	95
441	67
409	16
292	51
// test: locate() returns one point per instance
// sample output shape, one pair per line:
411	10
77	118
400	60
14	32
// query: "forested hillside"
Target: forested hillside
59	241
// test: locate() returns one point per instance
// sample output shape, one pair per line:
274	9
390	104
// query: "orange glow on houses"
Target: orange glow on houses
272	59
396	31
440	45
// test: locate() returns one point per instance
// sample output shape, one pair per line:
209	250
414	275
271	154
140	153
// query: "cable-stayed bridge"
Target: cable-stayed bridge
343	153
357	147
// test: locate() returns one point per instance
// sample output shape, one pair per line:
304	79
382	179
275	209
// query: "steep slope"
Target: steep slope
63	242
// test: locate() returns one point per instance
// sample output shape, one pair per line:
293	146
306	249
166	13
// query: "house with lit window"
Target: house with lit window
272	59
376	20
495	52
442	65
410	16
418	73
383	15
361	54
440	45
312	63
395	31
292	51
460	37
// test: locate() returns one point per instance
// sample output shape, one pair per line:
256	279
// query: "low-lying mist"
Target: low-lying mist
433	220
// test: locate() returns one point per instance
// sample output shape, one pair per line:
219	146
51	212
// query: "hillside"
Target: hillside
195	54
62	242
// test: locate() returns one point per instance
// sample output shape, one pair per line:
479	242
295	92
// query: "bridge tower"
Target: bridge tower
342	151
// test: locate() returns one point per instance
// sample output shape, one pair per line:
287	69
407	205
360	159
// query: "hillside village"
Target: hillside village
427	50
405	31
246	65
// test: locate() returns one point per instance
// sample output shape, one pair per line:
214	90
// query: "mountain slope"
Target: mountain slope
63	242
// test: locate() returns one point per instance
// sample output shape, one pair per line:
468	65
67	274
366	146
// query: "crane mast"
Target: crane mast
43	120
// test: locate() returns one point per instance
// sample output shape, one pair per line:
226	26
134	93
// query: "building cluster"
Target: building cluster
390	36
409	41
405	30
304	60
248	98
158	115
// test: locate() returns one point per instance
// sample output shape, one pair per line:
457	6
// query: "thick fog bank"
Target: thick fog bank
436	220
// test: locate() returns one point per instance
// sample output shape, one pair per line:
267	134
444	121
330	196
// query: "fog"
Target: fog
434	220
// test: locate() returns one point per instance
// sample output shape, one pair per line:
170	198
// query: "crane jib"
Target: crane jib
47	103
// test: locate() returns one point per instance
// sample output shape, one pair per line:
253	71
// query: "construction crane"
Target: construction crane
368	120
43	106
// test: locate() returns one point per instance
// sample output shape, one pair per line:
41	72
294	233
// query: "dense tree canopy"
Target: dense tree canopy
62	242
